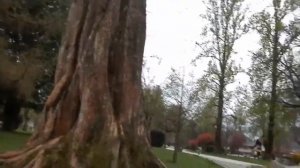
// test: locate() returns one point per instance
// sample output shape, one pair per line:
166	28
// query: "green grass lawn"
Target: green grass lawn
246	159
15	140
12	140
184	160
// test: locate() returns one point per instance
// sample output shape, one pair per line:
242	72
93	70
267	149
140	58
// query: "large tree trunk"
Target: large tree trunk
93	117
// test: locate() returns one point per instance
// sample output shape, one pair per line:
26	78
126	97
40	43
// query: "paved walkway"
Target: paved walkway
226	163
276	164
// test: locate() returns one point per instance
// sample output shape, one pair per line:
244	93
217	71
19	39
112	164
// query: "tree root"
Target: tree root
57	153
53	98
30	157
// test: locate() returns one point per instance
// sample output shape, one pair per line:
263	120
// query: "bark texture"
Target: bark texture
93	116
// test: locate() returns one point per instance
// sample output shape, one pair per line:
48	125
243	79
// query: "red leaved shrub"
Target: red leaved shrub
205	139
236	140
193	144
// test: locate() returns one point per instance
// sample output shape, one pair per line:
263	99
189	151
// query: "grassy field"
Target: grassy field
15	140
12	141
250	160
184	160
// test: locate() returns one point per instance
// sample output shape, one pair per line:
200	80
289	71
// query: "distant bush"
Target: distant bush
193	144
157	138
206	141
236	140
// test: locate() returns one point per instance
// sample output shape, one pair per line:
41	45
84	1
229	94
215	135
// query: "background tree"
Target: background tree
291	72
177	94
30	35
267	61
240	105
205	110
93	116
189	128
258	116
154	107
206	116
225	26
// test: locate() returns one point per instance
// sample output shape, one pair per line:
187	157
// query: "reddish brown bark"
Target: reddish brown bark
93	116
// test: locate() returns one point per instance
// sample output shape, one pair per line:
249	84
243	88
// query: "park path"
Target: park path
226	163
276	164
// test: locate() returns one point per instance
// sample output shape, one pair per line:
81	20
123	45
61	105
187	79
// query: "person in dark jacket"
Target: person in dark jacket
257	148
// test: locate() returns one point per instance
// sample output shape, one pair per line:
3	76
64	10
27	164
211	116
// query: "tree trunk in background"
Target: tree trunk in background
218	134
93	117
25	119
177	134
273	101
11	112
148	122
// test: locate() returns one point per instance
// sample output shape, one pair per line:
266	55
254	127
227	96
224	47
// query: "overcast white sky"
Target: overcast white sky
173	27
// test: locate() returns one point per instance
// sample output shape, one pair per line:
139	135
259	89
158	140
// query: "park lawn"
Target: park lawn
12	140
15	140
184	160
250	160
